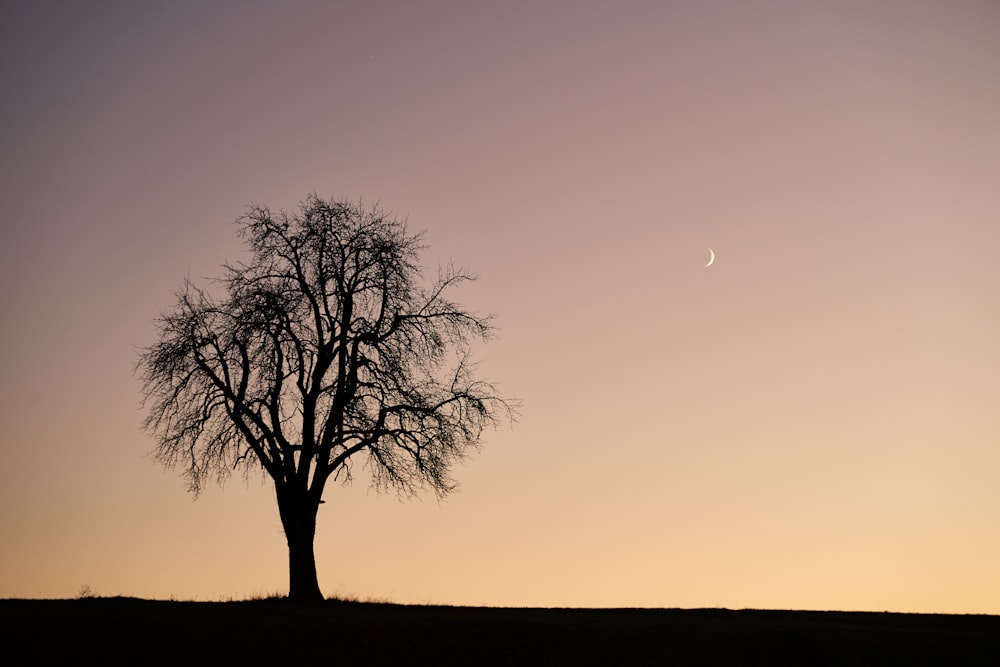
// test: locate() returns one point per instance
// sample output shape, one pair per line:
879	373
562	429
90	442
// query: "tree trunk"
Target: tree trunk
298	516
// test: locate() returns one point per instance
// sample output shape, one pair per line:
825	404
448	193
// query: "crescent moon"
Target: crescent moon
711	258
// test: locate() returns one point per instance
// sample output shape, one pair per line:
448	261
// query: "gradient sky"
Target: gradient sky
811	422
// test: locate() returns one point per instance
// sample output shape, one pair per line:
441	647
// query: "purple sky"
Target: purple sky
809	423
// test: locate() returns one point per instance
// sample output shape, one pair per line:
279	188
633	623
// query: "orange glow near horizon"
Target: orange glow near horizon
809	423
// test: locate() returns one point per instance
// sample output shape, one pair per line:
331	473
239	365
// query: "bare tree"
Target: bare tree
326	348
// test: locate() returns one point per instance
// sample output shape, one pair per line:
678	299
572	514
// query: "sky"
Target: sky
809	423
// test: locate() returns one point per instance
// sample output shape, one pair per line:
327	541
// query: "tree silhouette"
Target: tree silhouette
324	349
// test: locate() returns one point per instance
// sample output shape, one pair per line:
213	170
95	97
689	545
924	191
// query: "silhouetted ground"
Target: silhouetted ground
274	632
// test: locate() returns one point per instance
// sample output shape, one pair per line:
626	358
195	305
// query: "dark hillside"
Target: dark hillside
126	630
